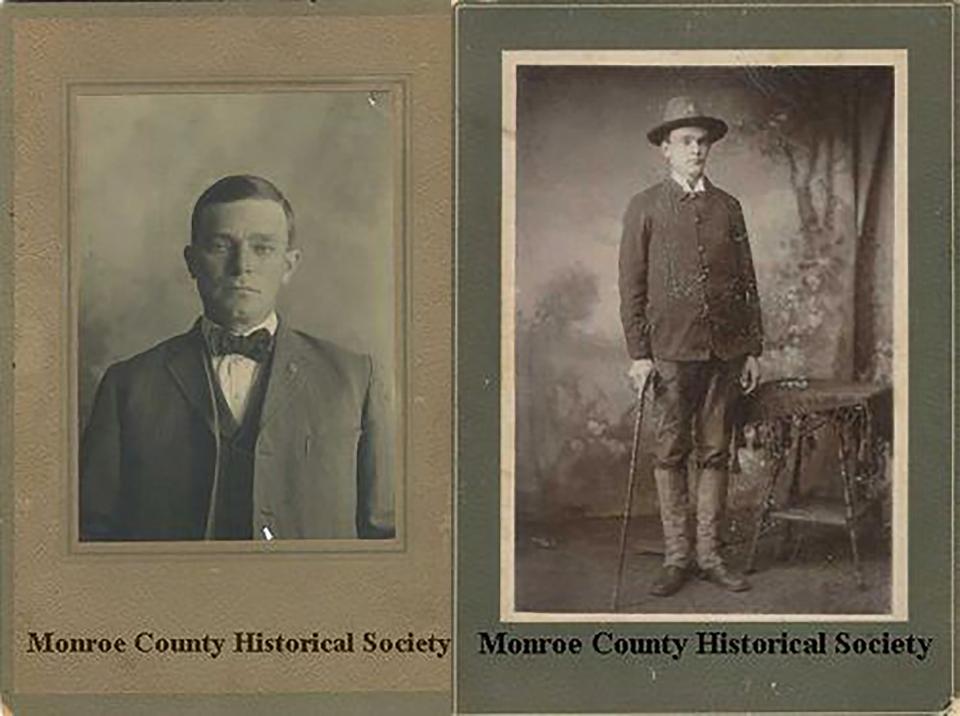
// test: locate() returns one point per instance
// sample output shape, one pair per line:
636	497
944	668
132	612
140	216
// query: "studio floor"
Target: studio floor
570	566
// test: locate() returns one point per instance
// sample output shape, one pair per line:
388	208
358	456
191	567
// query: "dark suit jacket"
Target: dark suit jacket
148	452
687	285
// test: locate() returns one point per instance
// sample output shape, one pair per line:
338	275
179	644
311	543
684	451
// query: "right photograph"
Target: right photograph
704	328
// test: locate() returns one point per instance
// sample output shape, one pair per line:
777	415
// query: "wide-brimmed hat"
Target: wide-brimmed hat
684	112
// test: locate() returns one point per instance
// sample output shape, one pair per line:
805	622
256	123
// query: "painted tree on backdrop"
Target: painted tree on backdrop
811	119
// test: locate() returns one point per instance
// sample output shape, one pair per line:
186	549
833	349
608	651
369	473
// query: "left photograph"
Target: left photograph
230	307
237	254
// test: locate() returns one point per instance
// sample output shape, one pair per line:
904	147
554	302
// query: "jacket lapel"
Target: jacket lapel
186	364
708	187
286	374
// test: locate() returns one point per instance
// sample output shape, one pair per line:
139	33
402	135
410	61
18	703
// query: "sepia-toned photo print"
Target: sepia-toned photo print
236	277
704	358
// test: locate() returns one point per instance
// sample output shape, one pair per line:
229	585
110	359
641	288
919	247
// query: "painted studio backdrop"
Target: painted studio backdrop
808	154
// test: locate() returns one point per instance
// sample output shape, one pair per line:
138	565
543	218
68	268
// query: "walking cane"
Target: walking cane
631	479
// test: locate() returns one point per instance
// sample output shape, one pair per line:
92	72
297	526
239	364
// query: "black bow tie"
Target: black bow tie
255	346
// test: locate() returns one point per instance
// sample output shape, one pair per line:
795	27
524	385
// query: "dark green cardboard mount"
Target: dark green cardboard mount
592	684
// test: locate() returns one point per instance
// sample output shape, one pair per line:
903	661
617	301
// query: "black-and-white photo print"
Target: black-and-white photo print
703	335
236	266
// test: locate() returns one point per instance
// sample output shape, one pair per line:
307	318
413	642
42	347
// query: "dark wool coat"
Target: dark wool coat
687	284
148	453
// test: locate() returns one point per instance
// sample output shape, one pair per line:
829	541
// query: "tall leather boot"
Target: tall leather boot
711	499
672	493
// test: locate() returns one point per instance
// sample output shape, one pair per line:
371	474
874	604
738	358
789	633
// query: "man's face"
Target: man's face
239	258
686	150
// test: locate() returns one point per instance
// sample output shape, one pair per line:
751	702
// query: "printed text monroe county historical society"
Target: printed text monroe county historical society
712	643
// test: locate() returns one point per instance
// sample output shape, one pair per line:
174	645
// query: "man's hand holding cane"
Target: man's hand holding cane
639	372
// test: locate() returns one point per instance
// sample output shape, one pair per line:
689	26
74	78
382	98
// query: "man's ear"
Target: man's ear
188	258
665	148
292	258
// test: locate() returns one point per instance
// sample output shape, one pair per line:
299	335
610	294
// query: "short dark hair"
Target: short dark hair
235	188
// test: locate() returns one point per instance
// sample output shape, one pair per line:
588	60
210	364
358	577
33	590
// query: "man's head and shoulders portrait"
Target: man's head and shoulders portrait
243	427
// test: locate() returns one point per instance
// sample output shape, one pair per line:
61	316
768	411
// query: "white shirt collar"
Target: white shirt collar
270	323
696	188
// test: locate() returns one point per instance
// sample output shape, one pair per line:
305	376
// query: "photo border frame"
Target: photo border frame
398	88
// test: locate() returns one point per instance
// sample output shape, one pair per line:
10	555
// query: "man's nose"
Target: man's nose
240	260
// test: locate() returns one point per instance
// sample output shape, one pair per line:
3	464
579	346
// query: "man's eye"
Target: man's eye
217	246
263	249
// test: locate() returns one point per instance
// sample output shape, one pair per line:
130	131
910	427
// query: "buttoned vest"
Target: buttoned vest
233	488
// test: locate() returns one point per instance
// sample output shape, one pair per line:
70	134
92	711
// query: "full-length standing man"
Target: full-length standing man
691	318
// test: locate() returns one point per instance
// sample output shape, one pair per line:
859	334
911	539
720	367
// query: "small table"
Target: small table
860	416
